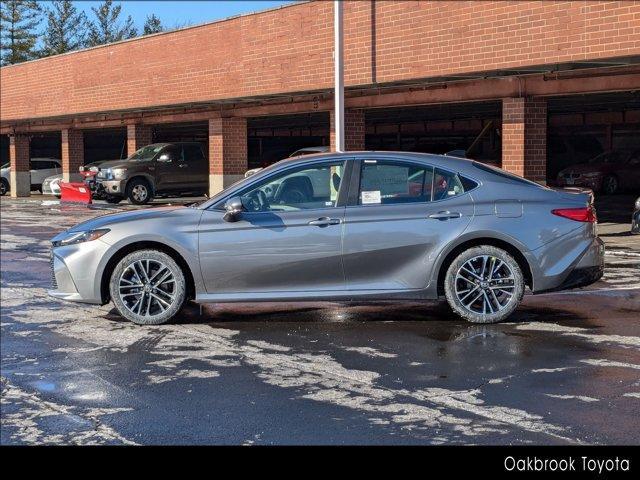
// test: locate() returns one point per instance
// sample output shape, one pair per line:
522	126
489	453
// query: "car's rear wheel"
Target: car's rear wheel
609	185
139	191
148	287
484	284
4	186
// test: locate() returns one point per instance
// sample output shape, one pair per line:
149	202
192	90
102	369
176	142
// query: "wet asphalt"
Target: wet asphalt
564	369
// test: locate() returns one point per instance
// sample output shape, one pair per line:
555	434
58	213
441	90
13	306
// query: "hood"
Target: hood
586	168
115	164
105	221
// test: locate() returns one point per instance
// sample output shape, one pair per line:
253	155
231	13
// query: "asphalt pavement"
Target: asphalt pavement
564	369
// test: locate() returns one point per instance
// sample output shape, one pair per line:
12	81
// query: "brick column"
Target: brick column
19	176
227	152
137	137
524	137
354	130
72	152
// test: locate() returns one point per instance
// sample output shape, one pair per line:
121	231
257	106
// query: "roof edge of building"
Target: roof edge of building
293	3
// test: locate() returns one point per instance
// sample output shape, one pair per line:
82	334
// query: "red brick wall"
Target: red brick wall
354	130
19	153
290	49
137	137
72	150
227	146
524	137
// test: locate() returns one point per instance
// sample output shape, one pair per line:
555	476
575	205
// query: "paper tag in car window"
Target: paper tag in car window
371	197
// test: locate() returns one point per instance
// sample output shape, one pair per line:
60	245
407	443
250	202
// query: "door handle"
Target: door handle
445	215
324	221
182	165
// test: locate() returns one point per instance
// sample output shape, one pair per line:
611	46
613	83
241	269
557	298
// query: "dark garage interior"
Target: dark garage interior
273	138
46	145
474	127
105	144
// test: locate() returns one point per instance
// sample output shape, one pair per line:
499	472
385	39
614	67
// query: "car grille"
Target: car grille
54	283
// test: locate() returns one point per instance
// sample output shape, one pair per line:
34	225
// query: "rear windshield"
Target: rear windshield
501	173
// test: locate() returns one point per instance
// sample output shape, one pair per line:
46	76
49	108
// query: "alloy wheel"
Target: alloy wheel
484	285
139	193
147	287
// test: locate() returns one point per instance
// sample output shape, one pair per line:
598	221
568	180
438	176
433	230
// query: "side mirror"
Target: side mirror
233	208
165	157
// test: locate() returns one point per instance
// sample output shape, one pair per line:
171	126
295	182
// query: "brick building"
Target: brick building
518	82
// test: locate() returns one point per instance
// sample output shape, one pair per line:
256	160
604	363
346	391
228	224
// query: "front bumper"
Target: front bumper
112	187
76	272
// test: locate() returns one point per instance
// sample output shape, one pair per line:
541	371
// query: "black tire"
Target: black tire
4	186
610	185
113	200
509	292
135	191
148	314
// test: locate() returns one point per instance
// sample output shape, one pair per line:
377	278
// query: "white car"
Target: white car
40	169
297	153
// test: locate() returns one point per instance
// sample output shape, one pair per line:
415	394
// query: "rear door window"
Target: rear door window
392	182
193	153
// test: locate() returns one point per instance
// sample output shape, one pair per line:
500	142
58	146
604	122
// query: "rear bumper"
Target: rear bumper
573	263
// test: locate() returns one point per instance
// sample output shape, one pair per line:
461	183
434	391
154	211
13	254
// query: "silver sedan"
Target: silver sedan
341	226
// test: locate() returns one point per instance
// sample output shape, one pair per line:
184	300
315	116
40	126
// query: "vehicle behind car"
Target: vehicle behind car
39	170
609	173
159	169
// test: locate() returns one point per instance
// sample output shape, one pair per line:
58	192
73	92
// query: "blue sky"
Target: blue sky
181	12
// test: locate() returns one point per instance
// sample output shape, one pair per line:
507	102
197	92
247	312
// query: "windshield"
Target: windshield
146	153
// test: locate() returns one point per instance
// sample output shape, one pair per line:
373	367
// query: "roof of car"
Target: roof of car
452	162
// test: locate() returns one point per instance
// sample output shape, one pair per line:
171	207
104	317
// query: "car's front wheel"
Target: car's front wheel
148	287
4	186
484	284
139	191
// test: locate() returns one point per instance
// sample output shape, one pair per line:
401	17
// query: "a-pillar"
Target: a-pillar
524	137
227	152
138	136
353	130
72	152
19	177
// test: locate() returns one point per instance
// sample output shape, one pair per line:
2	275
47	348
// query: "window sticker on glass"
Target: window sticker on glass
372	196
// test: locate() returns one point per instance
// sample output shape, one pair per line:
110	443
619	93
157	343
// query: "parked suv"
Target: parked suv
158	169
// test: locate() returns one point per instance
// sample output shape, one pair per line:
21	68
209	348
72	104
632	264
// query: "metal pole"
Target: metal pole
339	76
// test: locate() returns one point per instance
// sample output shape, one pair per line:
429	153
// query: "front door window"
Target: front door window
305	188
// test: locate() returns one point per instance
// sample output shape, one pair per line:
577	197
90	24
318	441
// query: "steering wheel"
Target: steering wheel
258	201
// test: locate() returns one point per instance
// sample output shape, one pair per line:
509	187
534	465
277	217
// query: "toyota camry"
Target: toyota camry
340	226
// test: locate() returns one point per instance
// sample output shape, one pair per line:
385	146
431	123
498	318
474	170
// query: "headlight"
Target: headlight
119	173
79	237
638	204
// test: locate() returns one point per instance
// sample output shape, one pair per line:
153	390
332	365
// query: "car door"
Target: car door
401	216
41	169
168	170
287	241
194	168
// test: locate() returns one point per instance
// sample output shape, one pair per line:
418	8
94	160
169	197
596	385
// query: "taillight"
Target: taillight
583	214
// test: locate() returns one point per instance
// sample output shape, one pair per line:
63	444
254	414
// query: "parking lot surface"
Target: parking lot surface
564	369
